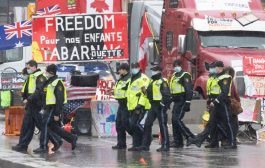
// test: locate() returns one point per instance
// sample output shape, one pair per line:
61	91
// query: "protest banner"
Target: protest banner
254	65
75	38
104	89
104	114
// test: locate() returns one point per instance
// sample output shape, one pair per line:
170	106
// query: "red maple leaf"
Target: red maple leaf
99	5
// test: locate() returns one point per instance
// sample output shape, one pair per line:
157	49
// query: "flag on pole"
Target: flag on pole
145	33
103	6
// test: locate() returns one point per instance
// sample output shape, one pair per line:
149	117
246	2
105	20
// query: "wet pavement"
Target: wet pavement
97	152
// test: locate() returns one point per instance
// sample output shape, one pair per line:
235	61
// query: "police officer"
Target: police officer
182	91
122	120
54	97
159	96
135	103
32	100
201	137
220	94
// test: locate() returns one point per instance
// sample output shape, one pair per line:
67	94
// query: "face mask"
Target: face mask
154	72
135	71
212	71
29	71
48	75
178	69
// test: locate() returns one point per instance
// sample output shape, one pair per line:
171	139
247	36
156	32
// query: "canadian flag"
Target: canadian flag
103	6
145	33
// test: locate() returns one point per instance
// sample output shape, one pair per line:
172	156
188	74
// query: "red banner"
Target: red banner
254	66
72	38
63	6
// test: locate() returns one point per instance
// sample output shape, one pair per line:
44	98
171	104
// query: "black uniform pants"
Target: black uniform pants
206	132
222	113
31	119
122	123
179	128
160	112
137	132
50	126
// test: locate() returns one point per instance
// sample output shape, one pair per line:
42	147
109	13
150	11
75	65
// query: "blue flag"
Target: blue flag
18	34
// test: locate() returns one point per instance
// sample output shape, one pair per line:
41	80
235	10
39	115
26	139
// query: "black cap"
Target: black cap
52	69
177	62
156	68
135	65
209	65
219	64
124	66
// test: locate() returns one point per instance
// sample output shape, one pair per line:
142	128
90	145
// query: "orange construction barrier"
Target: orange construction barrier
13	120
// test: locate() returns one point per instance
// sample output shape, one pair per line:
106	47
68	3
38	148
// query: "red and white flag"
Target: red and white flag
145	33
103	6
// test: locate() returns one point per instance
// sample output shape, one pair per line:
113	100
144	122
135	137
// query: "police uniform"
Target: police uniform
182	91
54	95
159	96
122	119
220	93
31	92
135	102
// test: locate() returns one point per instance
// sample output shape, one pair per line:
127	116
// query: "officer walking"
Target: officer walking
122	120
201	137
182	91
54	95
159	96
32	100
135	103
220	93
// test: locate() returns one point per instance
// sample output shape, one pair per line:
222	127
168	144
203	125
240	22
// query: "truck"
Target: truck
203	31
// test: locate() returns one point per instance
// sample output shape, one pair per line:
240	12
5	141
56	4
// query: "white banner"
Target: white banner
224	5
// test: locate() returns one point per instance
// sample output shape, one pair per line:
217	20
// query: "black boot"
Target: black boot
212	145
119	147
20	148
40	150
163	149
57	146
133	149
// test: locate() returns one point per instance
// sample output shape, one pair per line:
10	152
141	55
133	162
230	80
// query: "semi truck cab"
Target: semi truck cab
199	32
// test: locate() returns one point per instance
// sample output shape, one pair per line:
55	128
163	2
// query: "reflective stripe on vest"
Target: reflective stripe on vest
133	89
119	93
32	82
215	88
209	85
156	85
50	97
175	86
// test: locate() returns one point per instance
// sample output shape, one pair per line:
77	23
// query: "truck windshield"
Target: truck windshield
233	39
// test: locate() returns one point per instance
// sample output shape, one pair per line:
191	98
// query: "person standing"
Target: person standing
122	120
159	96
54	97
135	102
182	91
32	100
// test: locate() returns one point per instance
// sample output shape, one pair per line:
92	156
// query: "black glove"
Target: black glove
186	107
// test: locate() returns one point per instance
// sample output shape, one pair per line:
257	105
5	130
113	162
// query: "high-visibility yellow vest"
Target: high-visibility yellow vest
156	85
133	89
50	97
6	98
32	82
175	86
209	85
215	88
144	101
119	93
